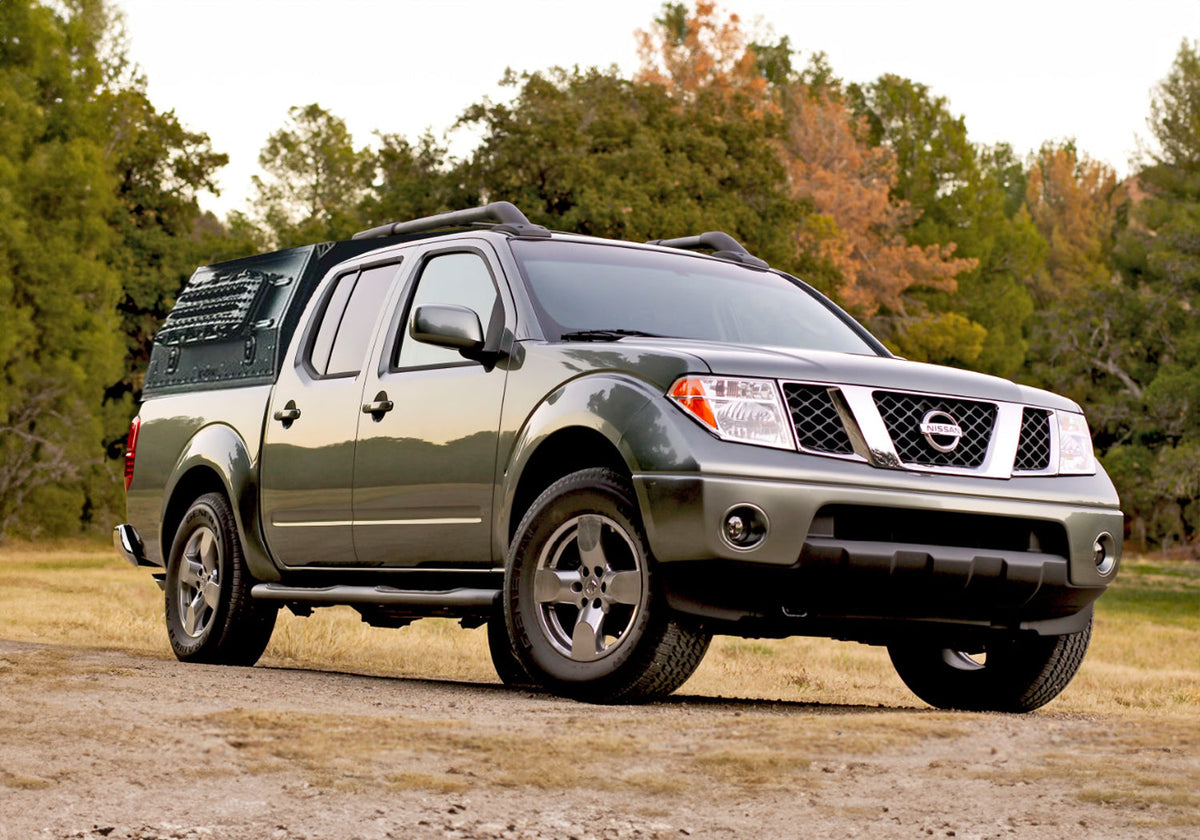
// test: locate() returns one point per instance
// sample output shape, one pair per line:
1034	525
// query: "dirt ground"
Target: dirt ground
103	743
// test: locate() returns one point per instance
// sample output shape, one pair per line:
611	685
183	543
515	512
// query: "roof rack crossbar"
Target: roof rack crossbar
503	214
722	244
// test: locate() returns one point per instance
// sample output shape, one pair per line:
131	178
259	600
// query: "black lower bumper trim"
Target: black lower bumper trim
877	591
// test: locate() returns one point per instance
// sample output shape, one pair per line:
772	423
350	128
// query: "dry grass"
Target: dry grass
1143	656
1122	738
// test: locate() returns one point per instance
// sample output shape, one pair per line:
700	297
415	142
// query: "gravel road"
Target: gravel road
105	743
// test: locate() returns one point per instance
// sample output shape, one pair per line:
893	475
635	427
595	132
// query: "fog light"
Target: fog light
1104	553
744	527
735	528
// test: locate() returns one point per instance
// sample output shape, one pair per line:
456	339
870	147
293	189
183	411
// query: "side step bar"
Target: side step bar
376	595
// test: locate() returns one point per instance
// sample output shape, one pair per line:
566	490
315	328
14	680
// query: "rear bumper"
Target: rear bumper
128	544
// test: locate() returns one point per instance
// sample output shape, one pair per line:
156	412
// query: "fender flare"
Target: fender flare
219	448
631	414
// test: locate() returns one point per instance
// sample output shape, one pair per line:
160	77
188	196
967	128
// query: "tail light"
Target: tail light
131	450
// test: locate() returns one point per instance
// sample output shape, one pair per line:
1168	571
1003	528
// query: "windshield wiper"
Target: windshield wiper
605	335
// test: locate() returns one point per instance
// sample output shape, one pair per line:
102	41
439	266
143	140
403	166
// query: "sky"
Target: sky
1020	72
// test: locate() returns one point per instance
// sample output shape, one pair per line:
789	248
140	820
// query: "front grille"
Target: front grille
1033	451
902	415
818	425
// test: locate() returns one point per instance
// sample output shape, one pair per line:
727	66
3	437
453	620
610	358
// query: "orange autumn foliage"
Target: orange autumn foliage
856	231
857	228
1073	201
700	52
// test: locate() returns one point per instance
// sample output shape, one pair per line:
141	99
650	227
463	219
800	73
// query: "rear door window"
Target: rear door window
348	323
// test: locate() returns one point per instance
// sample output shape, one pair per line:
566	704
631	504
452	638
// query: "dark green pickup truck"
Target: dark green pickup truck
607	452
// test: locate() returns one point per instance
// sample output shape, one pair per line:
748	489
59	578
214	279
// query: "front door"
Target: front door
424	469
307	465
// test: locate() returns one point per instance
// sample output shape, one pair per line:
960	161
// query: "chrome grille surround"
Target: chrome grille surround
847	422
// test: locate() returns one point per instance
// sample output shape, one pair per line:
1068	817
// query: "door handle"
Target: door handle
288	414
378	407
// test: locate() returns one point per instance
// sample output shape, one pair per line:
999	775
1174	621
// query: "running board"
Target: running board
376	595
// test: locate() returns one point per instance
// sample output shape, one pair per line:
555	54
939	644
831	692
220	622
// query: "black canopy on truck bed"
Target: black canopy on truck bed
234	319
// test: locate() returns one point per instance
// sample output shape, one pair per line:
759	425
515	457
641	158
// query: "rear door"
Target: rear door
424	470
307	464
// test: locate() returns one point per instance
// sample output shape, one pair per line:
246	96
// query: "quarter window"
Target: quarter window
349	321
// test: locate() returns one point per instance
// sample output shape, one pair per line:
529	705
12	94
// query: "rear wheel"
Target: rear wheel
210	614
583	603
1006	676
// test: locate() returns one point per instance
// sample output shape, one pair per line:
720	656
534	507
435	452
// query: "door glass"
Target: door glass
459	279
357	325
330	318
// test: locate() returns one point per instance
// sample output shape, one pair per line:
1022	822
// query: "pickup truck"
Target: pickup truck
606	452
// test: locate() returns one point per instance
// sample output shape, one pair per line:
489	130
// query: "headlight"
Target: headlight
1075	453
742	410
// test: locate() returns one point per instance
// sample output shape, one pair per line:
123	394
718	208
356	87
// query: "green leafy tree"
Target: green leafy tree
315	179
1152	388
967	195
58	294
588	151
98	212
411	180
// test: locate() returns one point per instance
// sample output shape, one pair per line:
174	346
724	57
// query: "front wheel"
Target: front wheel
1012	675
210	614
582	601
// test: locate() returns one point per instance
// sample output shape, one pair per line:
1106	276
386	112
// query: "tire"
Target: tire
582	603
210	614
1016	675
508	667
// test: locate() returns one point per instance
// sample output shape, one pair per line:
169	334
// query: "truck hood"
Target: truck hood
849	369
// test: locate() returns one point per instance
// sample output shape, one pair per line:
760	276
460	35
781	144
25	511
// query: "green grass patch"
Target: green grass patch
1165	593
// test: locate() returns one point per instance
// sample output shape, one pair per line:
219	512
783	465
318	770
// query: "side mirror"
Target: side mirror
445	325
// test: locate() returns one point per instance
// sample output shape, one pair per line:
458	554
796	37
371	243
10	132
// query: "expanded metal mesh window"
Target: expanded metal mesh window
214	306
902	415
1033	451
818	425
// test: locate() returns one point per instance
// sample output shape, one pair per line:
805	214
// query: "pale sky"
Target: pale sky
1020	72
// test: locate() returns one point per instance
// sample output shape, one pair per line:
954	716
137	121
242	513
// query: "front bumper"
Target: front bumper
877	563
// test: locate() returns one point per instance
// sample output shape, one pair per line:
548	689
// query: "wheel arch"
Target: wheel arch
583	423
561	453
216	459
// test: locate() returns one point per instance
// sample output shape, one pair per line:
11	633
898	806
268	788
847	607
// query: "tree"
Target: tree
411	181
1140	360
963	195
1073	202
98	204
590	152
315	179
856	228
704	52
57	292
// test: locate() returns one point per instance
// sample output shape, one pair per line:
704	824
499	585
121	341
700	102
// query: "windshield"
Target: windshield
584	290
